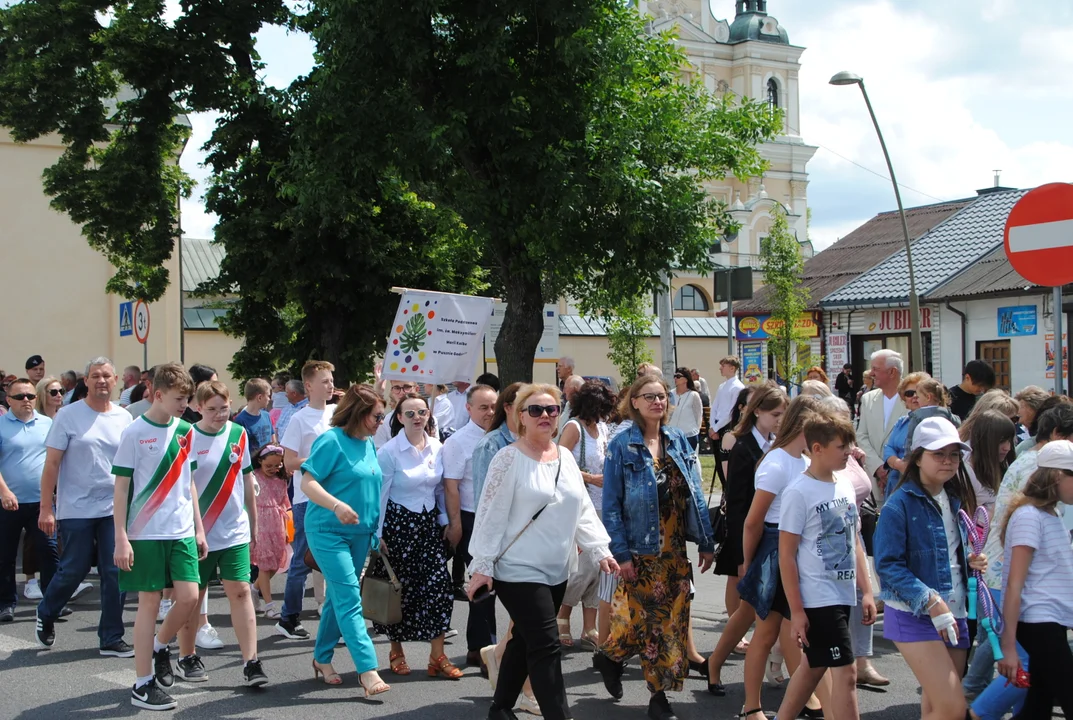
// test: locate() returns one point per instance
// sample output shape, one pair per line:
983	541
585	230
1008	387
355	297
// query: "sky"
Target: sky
961	88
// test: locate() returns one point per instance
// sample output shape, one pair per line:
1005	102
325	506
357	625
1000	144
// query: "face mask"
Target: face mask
279	400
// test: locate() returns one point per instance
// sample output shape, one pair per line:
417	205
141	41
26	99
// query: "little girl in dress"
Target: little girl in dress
272	552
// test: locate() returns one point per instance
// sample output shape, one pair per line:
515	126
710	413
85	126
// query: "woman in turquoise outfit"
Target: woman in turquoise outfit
342	478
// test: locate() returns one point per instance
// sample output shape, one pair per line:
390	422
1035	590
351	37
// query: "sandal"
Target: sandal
376	689
590	640
565	638
331	677
400	668
746	713
774	675
741	648
443	666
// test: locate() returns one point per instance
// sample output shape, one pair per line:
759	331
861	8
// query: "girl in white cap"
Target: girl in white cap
1038	580
921	562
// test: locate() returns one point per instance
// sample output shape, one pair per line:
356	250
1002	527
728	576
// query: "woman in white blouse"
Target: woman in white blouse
688	413
410	535
533	515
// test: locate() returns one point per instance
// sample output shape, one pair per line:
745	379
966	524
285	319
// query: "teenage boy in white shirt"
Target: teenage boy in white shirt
820	550
305	426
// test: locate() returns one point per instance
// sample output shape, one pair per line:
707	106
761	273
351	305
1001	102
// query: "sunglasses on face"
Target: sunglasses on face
536	411
651	398
55	391
679	377
910	393
23	396
419	413
379	417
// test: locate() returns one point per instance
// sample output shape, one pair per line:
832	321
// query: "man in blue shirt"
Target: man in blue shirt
296	396
22	458
254	416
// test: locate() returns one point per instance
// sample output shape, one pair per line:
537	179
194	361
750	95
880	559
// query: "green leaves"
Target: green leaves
413	334
782	263
628	328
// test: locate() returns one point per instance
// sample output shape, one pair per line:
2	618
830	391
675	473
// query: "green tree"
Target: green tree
782	263
628	328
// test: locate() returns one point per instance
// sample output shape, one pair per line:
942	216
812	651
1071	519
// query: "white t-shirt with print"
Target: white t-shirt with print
824	514
774	474
160	461
85	487
1047	596
223	461
305	426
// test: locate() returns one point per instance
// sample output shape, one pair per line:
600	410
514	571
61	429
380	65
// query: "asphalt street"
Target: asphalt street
72	681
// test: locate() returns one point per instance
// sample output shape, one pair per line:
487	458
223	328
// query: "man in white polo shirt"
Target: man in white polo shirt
461	508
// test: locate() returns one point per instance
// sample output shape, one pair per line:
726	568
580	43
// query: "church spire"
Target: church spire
752	7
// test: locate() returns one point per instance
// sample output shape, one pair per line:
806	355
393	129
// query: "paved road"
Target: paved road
71	680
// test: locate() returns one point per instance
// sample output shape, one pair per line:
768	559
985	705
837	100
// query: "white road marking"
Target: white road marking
10	644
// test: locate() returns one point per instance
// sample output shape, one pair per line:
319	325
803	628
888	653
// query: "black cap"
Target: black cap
34	361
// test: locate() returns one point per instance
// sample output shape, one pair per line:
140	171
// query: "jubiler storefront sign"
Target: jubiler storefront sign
895	320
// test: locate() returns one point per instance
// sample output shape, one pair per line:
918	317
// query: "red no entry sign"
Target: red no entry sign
1039	235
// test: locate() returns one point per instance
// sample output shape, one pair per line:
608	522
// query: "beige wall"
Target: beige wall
215	349
590	353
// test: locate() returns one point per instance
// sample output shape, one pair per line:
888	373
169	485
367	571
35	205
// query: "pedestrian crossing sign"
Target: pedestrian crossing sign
126	319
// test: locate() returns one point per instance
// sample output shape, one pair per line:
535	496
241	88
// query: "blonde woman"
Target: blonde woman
996	399
49	397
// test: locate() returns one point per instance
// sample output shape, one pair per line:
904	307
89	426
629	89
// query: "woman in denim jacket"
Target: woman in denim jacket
921	562
652	505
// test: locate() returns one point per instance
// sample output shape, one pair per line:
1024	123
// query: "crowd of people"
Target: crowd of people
940	511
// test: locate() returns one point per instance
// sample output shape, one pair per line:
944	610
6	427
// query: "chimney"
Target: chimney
997	174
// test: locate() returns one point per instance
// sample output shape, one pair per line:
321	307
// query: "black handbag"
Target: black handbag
717	516
869	520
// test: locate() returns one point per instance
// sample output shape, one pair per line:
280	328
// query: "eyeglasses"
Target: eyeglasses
23	396
946	458
419	413
678	375
651	398
55	391
910	393
379	417
404	388
536	411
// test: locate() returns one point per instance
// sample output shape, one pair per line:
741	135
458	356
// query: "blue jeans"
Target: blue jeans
12	524
341	556
995	698
295	590
78	536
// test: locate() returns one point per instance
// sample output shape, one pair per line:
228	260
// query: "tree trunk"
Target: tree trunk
523	324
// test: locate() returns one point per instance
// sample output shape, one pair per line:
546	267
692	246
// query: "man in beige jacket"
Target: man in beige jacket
880	409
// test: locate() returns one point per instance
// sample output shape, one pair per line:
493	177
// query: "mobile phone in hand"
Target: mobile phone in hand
483	593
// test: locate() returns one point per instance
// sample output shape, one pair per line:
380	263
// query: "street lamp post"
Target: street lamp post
917	356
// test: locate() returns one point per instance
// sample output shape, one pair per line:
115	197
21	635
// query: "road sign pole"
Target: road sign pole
730	315
1059	346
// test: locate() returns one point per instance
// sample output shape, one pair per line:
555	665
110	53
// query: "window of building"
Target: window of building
997	354
773	94
690	297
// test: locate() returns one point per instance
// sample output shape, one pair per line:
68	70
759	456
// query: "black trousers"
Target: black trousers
1050	667
533	650
13	523
481	624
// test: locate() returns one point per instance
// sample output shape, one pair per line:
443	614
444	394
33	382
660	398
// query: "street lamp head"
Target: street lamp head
846	78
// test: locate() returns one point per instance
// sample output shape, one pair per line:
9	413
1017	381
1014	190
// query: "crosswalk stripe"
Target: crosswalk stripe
10	644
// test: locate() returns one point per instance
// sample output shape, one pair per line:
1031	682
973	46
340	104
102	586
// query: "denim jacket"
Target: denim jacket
911	549
631	505
901	437
486	449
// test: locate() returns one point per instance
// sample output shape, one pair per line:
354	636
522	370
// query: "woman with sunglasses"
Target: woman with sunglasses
687	409
342	479
410	535
924	397
533	515
49	397
653	505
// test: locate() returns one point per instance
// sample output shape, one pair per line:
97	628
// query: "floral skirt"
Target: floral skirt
416	553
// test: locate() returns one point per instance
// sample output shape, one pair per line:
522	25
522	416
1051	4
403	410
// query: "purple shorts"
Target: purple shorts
900	626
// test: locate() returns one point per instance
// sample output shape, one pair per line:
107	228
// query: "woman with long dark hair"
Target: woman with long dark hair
687	408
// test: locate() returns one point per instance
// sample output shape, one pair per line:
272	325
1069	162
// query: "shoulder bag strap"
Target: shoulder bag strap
558	471
392	578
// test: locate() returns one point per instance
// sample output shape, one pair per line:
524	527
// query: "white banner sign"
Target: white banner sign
837	353
436	337
547	349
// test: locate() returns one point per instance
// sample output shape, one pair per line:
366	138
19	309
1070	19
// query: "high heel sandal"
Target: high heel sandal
376	689
443	666
330	678
747	713
400	668
699	667
565	638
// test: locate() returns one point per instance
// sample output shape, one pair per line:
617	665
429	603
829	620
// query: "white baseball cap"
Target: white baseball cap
1056	454
935	433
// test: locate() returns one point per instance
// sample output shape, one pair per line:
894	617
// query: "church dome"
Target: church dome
753	23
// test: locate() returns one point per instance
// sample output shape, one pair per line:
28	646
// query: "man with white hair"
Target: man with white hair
570	388
132	375
81	445
880	410
296	397
564	368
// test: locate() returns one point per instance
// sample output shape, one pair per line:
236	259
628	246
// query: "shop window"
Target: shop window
996	353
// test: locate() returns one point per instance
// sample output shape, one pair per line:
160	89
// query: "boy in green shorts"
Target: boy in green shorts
224	483
158	533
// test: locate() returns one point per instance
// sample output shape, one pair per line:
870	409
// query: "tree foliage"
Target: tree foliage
782	264
628	327
528	149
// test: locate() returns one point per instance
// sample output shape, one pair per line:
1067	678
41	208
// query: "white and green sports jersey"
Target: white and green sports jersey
160	461
223	460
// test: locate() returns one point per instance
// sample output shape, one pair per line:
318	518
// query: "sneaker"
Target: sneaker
207	638
254	675
66	611
7	614
151	697
191	669
291	628
32	591
271	611
162	667
258	601
119	649
82	587
165	606
450	634
45	632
